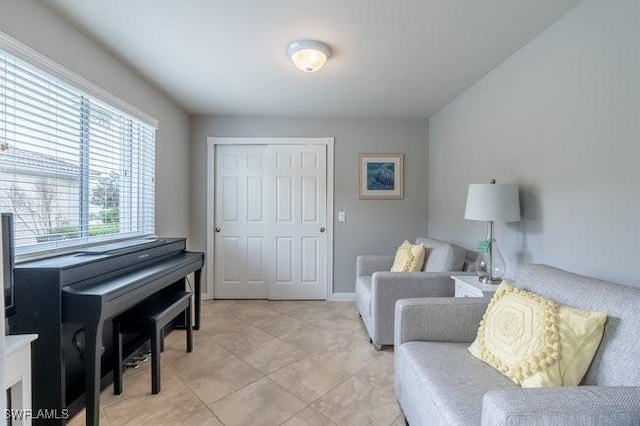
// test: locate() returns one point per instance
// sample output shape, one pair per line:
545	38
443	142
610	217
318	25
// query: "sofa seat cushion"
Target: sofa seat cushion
442	383
363	295
363	301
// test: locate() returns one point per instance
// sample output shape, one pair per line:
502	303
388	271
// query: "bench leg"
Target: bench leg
189	328
117	359
156	339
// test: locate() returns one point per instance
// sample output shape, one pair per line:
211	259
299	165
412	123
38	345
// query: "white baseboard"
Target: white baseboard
343	297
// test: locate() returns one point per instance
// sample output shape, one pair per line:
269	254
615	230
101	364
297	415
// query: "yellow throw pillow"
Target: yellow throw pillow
535	341
409	258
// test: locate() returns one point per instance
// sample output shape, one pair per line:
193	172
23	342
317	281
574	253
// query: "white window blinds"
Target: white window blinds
73	170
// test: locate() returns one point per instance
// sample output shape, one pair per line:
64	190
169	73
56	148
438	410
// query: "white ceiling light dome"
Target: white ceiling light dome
309	55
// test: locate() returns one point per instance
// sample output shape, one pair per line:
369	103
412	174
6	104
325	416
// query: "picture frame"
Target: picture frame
380	176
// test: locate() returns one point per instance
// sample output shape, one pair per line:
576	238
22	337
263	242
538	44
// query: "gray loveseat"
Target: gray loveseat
438	382
377	289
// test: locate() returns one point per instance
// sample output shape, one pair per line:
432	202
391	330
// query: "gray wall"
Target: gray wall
36	26
371	226
560	118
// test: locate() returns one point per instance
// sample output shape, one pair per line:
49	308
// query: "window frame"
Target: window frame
90	93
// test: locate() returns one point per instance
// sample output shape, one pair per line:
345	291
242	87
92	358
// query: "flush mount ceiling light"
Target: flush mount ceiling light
309	55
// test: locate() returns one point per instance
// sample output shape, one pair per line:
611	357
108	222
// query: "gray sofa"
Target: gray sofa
438	382
377	289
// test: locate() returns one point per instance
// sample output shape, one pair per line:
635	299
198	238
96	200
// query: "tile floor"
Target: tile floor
263	363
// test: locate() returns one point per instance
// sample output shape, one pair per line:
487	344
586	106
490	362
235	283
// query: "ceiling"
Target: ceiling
402	58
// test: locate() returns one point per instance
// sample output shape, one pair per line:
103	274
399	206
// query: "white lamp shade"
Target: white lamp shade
309	55
493	202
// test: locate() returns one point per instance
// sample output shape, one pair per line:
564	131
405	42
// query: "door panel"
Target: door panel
255	199
284	260
255	265
230	259
230	193
271	213
309	199
299	209
309	260
240	263
284	199
309	160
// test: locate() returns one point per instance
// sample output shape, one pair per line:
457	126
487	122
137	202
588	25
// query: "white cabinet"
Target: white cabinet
17	377
470	286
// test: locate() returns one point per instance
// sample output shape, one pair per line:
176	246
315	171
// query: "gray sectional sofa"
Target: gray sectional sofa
377	289
438	382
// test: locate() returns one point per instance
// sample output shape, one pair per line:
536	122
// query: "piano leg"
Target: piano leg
92	361
198	295
189	328
156	342
117	359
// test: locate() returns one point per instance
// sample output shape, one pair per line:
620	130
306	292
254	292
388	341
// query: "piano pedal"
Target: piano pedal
135	360
142	357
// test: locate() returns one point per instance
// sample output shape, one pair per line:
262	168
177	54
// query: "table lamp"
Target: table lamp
491	202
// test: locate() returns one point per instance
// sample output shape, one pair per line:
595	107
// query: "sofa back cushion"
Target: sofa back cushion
409	258
442	256
469	264
535	341
616	362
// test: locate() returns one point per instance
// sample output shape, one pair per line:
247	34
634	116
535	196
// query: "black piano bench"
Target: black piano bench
150	317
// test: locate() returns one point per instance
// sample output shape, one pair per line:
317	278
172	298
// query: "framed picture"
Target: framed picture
381	176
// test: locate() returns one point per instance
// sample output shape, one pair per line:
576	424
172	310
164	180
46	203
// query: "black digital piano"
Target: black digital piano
69	301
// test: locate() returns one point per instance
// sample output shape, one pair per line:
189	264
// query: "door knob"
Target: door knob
322	229
217	229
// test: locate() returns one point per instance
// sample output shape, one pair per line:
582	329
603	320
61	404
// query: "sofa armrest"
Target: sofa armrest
389	287
581	405
445	319
385	281
368	264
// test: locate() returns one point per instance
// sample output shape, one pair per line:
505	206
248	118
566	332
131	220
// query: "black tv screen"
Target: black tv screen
8	259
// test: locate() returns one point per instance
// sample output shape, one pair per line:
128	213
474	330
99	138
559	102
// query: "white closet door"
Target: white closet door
297	234
270	239
241	222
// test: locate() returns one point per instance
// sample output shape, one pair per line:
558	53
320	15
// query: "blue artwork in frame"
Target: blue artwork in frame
381	176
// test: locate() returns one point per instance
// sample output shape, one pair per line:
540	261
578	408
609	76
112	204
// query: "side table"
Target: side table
470	286
17	377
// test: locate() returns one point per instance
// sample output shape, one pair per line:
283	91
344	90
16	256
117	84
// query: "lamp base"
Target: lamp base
487	280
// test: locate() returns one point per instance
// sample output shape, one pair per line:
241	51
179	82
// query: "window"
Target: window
74	170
